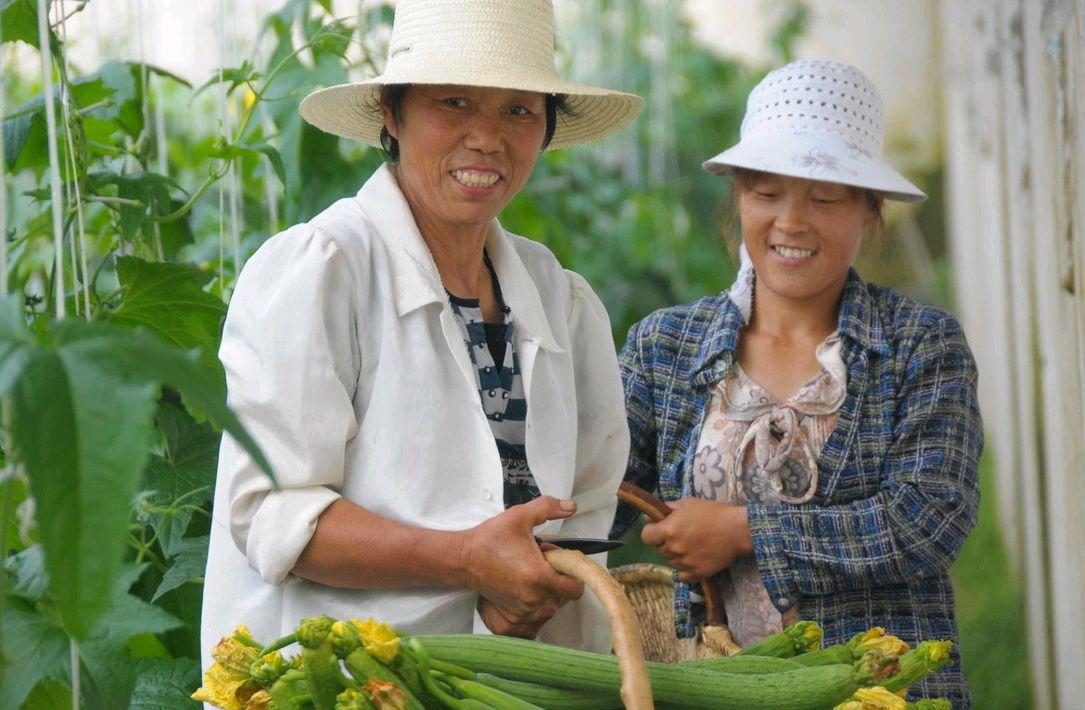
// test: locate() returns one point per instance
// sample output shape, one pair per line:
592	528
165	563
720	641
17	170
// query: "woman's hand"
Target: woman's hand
501	625
501	561
700	537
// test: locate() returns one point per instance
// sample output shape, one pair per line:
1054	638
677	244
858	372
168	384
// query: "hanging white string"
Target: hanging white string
235	165
271	198
73	172
145	109
54	162
222	131
3	176
161	149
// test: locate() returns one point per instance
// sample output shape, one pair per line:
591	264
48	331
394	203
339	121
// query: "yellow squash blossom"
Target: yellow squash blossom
226	683
380	639
386	696
887	643
876	698
261	700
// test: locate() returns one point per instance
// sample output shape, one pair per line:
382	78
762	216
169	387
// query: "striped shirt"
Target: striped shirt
501	389
897	491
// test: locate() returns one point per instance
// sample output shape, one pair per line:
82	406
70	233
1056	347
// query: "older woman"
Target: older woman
429	389
817	435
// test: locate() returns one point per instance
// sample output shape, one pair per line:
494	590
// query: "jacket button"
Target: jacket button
487	494
782	601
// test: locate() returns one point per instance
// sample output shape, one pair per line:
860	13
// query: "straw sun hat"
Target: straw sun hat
819	120
505	44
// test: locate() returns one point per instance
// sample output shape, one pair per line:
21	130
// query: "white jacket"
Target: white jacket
344	362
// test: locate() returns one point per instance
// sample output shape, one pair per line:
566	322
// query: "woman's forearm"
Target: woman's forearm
355	548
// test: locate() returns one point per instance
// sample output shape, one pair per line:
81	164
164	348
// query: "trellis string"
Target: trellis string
3	176
74	172
54	166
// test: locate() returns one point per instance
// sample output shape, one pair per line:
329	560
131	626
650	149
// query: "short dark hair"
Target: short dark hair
393	95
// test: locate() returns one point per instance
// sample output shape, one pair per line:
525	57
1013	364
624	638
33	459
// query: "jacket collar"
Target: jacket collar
858	320
415	279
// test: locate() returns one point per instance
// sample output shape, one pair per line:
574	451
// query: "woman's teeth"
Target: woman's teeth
475	178
792	253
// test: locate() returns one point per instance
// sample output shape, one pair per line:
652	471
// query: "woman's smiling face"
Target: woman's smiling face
464	152
802	235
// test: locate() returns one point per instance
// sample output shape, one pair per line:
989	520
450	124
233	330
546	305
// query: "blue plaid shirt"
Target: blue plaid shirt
897	491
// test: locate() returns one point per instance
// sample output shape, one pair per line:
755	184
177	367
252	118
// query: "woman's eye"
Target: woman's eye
455	101
765	194
520	111
826	200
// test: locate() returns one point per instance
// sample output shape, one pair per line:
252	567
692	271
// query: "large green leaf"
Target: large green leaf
49	695
82	436
82	398
165	683
169	299
39	649
36	649
20	21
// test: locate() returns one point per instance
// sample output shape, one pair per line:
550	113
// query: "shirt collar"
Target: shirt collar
415	279
858	320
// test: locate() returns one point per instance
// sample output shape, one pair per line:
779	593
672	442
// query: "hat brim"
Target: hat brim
353	110
816	156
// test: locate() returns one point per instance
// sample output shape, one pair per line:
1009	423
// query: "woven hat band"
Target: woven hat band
513	38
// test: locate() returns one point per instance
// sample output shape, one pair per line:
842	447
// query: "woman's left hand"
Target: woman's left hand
700	537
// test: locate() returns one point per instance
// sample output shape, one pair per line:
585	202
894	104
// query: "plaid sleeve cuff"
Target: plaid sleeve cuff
767	531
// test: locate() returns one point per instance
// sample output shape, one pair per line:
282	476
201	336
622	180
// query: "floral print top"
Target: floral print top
754	449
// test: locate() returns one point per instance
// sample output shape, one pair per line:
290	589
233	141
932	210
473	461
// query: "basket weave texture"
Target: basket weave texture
650	590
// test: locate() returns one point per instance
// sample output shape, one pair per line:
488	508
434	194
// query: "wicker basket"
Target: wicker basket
650	590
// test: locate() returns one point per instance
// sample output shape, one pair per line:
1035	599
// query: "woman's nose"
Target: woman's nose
484	133
793	216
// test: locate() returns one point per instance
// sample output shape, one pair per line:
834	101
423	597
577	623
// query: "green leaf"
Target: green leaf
124	79
49	695
82	436
19	20
184	478
187	566
147	188
128	616
237	76
36	649
39	649
169	300
16	134
165	684
28	569
175	234
82	397
334	38
229	152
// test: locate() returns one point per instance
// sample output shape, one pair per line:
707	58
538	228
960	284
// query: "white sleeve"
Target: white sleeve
602	449
290	351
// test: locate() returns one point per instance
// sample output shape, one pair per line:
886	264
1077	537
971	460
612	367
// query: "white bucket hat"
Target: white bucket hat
819	120
505	44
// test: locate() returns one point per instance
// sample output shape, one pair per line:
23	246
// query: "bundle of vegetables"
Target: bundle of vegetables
355	665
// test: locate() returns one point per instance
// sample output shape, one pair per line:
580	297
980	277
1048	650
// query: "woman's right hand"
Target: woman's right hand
502	562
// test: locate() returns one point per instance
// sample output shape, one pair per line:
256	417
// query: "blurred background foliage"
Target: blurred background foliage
166	189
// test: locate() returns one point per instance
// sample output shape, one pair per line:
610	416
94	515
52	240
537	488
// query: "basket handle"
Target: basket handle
655	510
636	690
